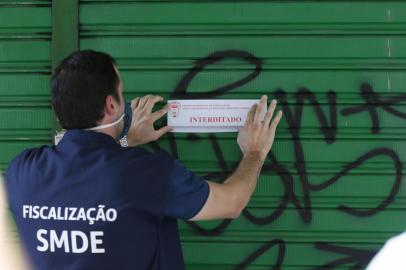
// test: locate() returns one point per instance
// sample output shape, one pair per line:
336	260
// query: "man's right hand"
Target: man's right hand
256	136
227	200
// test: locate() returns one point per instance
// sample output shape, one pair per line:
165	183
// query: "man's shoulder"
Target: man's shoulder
21	166
26	155
30	153
144	153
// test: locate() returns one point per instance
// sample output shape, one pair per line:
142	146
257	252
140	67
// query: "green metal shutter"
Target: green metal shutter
332	191
314	55
25	68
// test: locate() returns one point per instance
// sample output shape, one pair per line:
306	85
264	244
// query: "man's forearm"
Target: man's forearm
241	184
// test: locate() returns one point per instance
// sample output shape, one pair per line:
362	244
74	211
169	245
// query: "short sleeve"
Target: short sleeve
187	193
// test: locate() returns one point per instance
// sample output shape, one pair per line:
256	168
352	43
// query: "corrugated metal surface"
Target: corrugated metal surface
25	67
338	70
332	190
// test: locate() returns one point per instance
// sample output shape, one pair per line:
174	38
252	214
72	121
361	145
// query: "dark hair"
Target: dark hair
80	86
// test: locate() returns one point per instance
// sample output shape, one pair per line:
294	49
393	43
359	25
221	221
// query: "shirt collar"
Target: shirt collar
86	137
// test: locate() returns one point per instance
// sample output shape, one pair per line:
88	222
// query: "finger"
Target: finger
251	113
276	120
162	131
151	103
260	110
134	103
143	101
269	113
158	114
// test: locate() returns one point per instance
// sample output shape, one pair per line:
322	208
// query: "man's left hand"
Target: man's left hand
142	129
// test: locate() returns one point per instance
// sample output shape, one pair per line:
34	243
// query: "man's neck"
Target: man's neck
108	131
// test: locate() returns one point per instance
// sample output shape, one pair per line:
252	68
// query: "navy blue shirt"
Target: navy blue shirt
187	193
87	203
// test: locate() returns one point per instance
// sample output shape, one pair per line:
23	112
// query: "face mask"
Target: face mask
127	116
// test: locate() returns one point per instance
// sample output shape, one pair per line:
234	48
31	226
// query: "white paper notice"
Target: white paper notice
209	115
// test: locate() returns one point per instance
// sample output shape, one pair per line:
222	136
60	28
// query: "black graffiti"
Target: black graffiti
359	258
328	127
182	87
294	115
387	200
373	101
279	243
288	195
294	119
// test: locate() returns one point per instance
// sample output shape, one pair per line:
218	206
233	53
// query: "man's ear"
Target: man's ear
110	106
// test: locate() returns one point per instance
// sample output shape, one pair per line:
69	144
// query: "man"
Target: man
89	203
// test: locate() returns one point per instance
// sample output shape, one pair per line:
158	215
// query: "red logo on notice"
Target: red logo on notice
174	108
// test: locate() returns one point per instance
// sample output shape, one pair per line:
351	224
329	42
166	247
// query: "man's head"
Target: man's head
87	91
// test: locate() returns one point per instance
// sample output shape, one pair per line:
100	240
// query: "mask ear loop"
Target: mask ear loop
107	125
